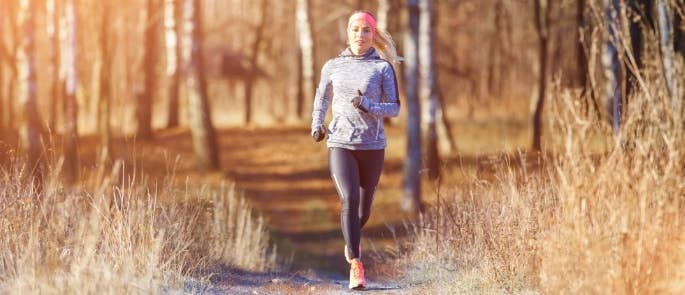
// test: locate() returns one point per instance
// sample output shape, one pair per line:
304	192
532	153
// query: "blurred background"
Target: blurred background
221	91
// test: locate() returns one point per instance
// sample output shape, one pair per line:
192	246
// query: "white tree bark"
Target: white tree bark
429	95
610	63
70	79
30	123
173	30
306	46
202	129
104	101
383	10
412	166
666	46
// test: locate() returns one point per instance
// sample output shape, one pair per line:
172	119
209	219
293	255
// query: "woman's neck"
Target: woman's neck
359	52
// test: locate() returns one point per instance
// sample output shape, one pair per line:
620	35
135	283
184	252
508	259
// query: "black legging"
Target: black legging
356	174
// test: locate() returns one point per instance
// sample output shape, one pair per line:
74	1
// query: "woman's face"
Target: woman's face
360	36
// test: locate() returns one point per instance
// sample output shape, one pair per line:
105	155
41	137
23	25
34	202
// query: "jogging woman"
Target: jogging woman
361	86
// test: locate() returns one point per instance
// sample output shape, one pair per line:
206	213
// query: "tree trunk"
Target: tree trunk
587	93
70	80
412	166
144	107
52	20
11	57
383	10
104	101
306	45
542	19
252	75
3	54
610	63
429	87
30	123
494	72
173	21
202	130
666	46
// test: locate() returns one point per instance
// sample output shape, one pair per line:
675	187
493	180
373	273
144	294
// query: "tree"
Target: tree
144	107
429	86
201	128
666	47
542	20
256	45
305	87
610	62
30	140
3	55
69	84
173	19
52	19
412	166
496	63
104	101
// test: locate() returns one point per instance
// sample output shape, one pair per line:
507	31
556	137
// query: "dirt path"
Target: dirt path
285	176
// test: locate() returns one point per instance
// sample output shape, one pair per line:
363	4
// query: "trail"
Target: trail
284	175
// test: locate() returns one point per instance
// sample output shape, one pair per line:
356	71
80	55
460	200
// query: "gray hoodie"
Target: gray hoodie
341	79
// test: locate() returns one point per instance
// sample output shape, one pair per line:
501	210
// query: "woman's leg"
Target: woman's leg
345	174
370	168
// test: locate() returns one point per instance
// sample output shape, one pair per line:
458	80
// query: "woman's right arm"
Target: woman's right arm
322	98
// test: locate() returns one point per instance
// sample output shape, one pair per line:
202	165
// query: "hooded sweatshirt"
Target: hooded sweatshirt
342	78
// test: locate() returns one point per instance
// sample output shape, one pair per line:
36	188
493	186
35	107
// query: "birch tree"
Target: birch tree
104	101
412	165
429	87
306	83
610	63
25	58
69	80
666	47
383	11
3	55
202	130
173	30
151	51
254	55
52	21
542	19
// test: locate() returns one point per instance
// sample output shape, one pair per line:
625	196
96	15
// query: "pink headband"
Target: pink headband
364	16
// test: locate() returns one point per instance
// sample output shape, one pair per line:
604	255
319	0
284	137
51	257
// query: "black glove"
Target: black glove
318	133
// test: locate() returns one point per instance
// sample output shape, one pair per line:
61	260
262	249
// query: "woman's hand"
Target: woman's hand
318	133
357	101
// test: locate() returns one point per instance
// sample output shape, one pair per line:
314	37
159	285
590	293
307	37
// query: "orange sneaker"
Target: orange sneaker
357	281
348	254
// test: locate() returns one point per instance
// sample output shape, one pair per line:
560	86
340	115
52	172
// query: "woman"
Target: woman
361	84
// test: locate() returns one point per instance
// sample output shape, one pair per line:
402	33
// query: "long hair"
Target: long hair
386	46
383	41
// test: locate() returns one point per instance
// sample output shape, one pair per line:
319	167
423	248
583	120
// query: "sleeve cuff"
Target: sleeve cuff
365	104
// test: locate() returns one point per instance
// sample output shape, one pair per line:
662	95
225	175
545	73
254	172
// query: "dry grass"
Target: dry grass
119	234
583	222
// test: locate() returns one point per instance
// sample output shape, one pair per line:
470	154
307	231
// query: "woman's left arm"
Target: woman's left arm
391	105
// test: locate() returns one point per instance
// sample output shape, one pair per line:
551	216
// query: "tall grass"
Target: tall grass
119	234
601	215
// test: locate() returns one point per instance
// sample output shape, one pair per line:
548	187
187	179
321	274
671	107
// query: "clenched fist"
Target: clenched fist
357	101
318	133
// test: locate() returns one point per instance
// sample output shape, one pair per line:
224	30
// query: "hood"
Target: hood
371	54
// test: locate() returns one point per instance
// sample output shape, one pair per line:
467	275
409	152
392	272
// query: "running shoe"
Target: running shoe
357	281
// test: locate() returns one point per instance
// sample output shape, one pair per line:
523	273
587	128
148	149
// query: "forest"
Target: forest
160	146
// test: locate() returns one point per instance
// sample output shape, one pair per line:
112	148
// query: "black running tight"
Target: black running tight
355	174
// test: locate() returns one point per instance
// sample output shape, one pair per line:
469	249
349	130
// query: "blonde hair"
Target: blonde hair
386	46
382	40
